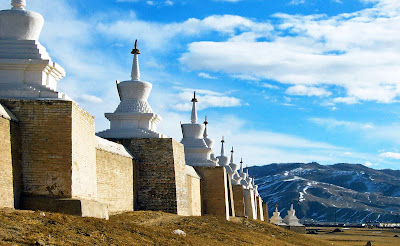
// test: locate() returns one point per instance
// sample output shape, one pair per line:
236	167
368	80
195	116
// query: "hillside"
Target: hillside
356	193
140	228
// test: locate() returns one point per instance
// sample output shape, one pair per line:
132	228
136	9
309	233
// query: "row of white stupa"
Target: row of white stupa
27	71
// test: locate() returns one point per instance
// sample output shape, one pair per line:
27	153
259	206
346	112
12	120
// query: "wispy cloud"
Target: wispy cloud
206	76
390	155
356	51
301	90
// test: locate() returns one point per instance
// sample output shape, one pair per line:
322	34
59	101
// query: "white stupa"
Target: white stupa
26	69
133	117
235	174
291	218
197	152
224	160
276	218
243	175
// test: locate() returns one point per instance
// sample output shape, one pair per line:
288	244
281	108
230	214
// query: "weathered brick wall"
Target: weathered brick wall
231	198
10	171
83	154
214	192
265	210
182	191
237	191
249	204
260	210
115	181
159	176
45	127
193	182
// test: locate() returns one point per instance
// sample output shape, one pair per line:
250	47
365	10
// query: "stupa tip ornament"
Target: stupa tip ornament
193	117
18	4
135	74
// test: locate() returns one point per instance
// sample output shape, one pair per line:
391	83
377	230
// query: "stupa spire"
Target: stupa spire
291	205
135	74
194	111
18	4
205	135
241	165
247	170
222	146
232	155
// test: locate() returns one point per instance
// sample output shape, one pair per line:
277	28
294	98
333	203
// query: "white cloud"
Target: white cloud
206	98
297	2
206	76
346	100
368	164
390	155
269	86
301	90
169	3
333	123
156	35
90	98
358	51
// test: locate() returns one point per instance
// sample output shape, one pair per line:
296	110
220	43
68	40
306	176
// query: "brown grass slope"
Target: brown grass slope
141	228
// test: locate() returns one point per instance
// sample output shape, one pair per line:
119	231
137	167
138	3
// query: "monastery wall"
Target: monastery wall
237	191
265	211
45	145
159	174
83	154
114	176
214	192
260	209
193	182
10	170
249	204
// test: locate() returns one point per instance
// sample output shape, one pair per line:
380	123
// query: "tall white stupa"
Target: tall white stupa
133	117
197	152
26	69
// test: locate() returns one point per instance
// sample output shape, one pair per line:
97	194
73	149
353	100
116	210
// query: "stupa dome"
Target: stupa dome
18	24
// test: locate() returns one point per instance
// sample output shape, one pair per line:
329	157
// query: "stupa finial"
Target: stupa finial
205	135
241	165
194	111
135	74
18	4
222	146
232	155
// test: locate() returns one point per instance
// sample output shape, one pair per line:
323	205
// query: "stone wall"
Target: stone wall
10	169
231	198
249	204
237	191
114	176
265	208
193	181
58	156
46	145
214	192
160	181
83	154
260	210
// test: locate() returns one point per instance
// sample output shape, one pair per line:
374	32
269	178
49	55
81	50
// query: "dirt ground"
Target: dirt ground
359	236
141	228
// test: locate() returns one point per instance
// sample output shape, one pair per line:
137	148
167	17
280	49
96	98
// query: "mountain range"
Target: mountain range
342	193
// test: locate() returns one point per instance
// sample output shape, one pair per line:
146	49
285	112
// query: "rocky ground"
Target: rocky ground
141	228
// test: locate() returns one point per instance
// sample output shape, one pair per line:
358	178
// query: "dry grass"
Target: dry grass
141	228
360	236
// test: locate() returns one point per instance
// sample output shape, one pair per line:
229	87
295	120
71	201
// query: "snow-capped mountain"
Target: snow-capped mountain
327	193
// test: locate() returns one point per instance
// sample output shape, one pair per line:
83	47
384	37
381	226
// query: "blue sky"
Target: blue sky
283	81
